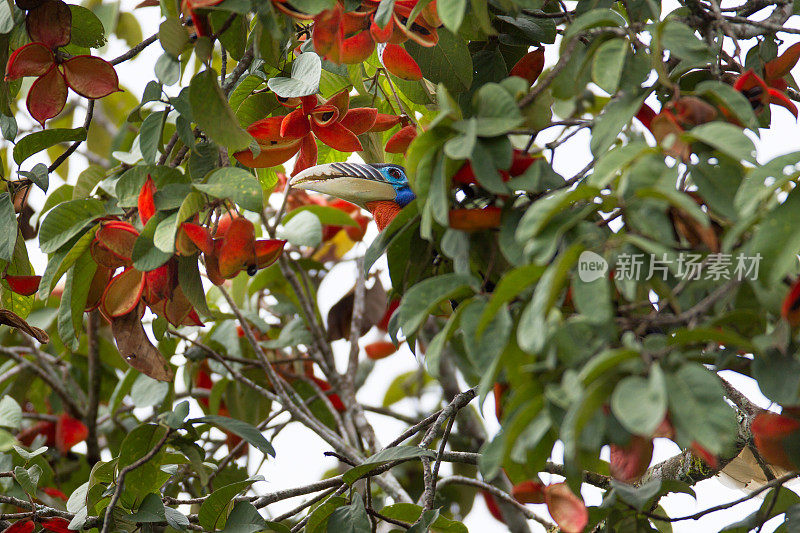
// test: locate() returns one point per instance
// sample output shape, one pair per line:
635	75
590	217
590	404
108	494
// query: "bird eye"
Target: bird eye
393	172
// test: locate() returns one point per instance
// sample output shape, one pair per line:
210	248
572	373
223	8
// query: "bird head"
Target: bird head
358	183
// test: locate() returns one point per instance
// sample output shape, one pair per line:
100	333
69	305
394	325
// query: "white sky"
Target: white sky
299	452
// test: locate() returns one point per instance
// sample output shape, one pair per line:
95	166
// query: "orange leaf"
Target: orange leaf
295	124
47	95
384	122
769	431
665	125
337	137
530	66
69	432
146	203
50	23
499	390
701	452
33	59
567	509
307	157
24	285
529	491
199	236
782	65
90	76
268	251
379	350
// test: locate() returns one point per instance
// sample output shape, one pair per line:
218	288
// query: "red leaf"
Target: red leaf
383	325
268	251
499	390
33	59
420	31
47	95
237	249
400	141
295	125
69	432
324	386
520	162
274	148
567	509
91	77
628	463
791	305
59	525
529	66
357	48
20	527
50	24
491	505
122	293
400	63
337	137
778	98
379	350
146	203
117	237
709	458
360	120
24	285
384	122
529	491
158	283
45	428
324	115
769	431
308	154
54	493
475	219
199	236
645	115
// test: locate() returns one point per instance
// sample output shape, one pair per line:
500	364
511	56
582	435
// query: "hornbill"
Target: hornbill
381	189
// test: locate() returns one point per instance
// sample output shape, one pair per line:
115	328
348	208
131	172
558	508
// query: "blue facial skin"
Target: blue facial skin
396	176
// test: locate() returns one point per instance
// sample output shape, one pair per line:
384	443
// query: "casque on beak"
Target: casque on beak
357	183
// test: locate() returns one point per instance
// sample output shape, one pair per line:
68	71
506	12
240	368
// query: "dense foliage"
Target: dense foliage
597	309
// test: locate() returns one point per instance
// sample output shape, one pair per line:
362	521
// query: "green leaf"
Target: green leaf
87	29
8	221
410	513
730	98
130	184
616	115
235	183
168	70
87	181
328	216
640	404
304	229
192	285
10	413
397	453
449	62
67	220
246	431
147	391
147	477
425	520
452	13
38	175
41	140
28	479
698	410
151	510
777	240
592	19
150	136
173	36
420	300
608	63
213	114
497	112
214	510
146	256
306	72
384	13
726	138
318	518
350	518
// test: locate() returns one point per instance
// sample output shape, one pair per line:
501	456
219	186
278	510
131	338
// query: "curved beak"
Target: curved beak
357	183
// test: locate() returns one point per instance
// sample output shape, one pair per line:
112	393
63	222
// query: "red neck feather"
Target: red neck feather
383	212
